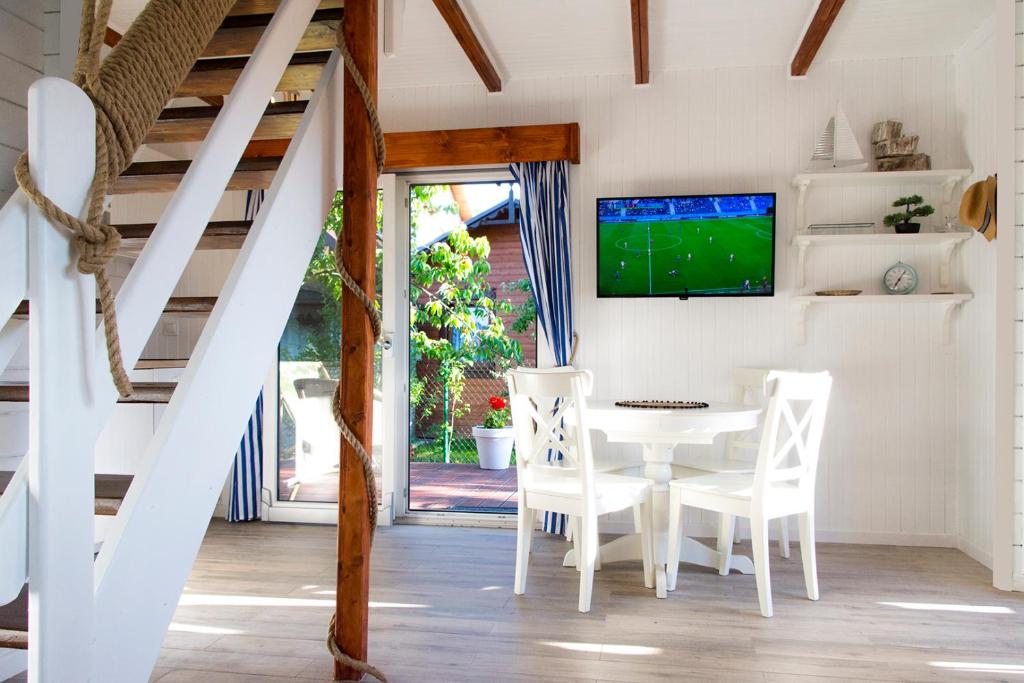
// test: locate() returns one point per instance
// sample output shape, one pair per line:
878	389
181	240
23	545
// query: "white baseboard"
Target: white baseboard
824	536
975	552
300	515
329	516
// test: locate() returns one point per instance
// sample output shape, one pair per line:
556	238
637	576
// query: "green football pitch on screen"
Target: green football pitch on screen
715	256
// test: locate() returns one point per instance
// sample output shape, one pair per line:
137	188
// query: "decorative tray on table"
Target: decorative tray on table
679	405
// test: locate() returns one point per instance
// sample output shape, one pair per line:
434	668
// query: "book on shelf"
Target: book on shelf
856	228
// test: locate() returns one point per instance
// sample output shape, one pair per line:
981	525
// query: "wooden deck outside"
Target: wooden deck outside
434	487
442	609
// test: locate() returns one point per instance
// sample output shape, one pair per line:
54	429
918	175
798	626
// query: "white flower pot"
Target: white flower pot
494	447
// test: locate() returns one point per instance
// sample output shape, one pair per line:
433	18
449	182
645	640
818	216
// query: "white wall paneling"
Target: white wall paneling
975	360
21	63
889	460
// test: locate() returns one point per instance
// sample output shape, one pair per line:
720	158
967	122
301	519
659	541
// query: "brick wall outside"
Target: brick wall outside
506	260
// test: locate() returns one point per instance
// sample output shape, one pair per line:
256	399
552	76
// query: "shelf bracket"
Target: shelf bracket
801	264
800	321
801	204
946	251
947	322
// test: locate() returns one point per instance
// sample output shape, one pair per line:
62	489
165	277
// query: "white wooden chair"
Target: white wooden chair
782	483
740	452
544	403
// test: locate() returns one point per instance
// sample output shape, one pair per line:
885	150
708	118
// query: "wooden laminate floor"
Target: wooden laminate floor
260	595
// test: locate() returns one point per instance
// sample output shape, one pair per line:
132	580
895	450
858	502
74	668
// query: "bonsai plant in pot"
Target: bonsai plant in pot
903	221
494	438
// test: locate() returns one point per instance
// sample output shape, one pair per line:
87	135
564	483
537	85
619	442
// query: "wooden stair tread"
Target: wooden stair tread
145	392
217	76
110	491
164	176
160	363
114	486
238	34
244	7
14	621
191	124
184	305
218	235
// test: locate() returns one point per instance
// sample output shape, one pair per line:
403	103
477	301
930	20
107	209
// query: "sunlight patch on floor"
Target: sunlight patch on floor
980	667
205	630
209	599
605	648
942	607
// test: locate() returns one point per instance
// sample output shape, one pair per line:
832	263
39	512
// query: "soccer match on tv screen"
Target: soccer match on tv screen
709	245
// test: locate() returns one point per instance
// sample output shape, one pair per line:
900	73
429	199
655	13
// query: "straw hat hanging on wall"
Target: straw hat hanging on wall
978	207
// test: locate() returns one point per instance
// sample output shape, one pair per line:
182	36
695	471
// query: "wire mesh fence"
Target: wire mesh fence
444	413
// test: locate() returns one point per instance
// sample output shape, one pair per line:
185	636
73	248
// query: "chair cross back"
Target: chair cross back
790	444
543	401
551	433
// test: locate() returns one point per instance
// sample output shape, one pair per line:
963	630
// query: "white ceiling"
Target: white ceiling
542	38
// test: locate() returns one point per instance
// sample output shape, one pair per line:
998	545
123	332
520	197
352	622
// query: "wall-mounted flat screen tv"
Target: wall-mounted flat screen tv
686	246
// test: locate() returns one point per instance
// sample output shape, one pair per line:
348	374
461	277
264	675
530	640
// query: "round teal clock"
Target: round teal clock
900	279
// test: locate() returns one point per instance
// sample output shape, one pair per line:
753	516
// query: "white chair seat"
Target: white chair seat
738	486
611	491
781	485
717	462
549	414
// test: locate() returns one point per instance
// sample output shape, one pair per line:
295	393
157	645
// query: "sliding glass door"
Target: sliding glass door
471	318
303	483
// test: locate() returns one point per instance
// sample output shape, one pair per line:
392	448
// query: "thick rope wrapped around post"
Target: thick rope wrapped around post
375	322
128	91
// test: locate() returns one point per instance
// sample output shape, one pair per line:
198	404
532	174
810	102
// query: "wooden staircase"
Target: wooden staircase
191	124
164	176
214	75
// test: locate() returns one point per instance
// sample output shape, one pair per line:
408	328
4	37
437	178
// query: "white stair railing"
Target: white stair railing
111	629
139	578
62	400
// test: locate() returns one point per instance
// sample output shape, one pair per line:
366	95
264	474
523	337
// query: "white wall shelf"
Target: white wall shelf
949	302
840	179
947	179
947	243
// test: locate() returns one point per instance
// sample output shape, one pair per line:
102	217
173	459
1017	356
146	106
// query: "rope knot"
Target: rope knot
96	247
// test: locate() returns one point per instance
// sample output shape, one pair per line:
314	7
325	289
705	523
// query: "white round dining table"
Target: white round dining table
659	431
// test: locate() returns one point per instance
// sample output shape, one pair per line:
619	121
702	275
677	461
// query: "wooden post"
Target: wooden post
359	231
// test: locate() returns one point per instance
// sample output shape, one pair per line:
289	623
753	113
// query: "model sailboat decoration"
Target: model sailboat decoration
837	147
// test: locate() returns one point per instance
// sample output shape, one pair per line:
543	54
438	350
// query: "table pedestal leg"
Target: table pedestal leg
658	468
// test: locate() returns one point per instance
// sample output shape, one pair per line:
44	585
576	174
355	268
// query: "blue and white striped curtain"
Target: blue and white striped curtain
544	232
244	503
247	472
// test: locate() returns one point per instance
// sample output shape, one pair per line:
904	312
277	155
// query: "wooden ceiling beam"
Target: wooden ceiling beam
456	19
462	147
641	44
819	26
